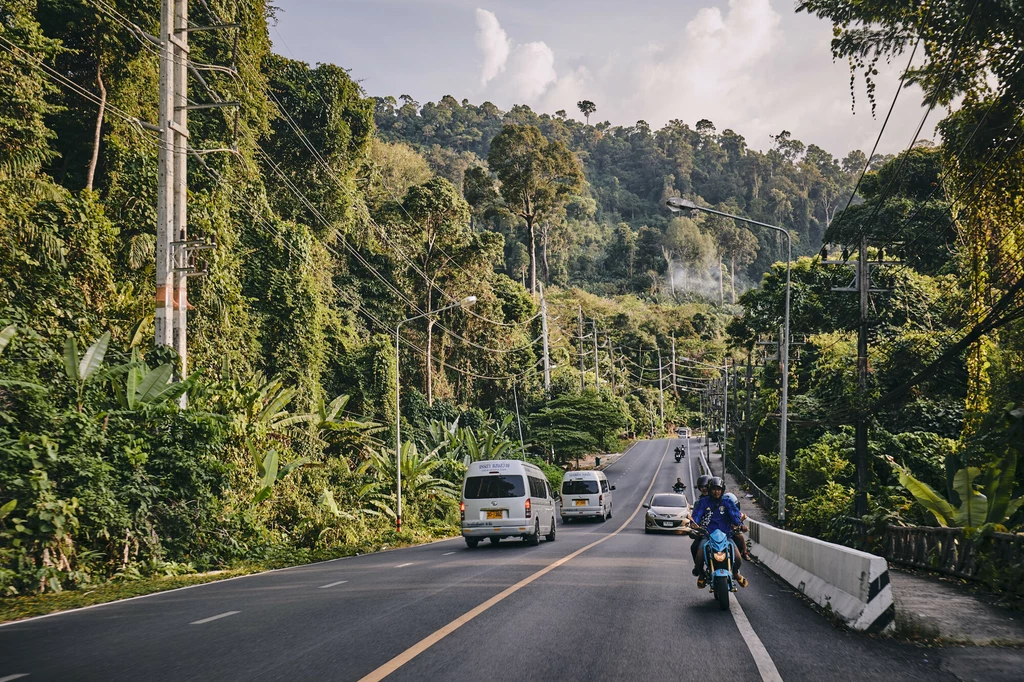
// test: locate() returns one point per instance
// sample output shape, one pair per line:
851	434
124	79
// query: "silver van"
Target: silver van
506	498
586	494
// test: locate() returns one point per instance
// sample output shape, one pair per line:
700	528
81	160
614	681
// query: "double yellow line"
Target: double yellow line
435	637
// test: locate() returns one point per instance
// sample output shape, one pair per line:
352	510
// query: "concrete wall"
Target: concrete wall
853	584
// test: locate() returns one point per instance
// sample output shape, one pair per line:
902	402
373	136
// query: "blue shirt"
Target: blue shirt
720	514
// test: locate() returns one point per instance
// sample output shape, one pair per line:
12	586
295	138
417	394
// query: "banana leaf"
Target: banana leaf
973	505
6	335
153	383
93	358
71	359
929	499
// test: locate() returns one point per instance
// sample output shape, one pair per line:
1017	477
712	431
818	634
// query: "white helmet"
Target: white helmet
730	496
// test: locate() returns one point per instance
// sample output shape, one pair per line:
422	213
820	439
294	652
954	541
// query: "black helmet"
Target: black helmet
716	482
702	482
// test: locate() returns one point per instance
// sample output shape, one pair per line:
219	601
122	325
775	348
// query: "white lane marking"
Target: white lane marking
432	639
404	565
217	617
13	677
340	582
765	665
447	553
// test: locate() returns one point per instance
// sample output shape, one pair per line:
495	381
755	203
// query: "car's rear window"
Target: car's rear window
487	487
579	487
668	501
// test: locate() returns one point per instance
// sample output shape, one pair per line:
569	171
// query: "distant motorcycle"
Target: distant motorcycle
679	488
679	454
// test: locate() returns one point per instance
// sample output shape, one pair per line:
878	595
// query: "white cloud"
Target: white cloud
528	70
532	69
493	42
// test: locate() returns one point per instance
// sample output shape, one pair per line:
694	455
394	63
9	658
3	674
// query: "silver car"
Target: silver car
667	512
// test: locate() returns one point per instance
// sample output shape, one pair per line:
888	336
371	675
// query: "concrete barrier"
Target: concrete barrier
854	585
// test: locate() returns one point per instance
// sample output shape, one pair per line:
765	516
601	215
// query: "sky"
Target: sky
754	66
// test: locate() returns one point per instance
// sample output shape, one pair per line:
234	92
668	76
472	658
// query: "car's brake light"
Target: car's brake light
528	512
600	499
462	511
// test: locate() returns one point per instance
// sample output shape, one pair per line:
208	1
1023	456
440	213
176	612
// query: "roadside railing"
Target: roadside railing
765	501
996	559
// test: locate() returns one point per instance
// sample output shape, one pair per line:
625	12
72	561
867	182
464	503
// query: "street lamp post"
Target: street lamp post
464	303
679	204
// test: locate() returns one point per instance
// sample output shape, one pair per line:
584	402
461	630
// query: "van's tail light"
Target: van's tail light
462	511
528	512
600	499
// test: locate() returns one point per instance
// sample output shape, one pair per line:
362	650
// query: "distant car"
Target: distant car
666	512
586	494
683	432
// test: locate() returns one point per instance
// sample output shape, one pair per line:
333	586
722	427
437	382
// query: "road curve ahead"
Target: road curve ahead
602	602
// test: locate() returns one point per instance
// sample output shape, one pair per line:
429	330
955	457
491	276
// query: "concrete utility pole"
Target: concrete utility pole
746	418
583	381
675	383
861	285
861	429
162	319
544	333
661	390
596	374
725	414
611	359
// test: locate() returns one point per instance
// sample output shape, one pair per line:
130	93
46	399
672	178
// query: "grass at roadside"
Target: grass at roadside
26	606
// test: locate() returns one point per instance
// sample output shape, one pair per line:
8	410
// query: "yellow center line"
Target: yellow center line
432	639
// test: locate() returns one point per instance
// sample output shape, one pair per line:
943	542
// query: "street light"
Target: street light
464	303
678	204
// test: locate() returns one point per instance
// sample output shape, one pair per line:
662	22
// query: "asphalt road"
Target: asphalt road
602	602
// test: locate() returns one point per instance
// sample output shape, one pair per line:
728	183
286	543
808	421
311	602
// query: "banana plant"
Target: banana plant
7	334
271	471
80	369
147	387
975	509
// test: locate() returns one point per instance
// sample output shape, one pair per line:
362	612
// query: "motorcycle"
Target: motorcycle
679	454
718	563
679	488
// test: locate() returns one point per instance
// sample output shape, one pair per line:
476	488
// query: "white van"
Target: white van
505	498
586	493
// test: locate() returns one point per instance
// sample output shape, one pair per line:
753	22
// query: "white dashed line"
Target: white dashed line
340	582
404	565
217	617
447	553
18	676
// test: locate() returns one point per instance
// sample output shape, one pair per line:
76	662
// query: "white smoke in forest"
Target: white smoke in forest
687	280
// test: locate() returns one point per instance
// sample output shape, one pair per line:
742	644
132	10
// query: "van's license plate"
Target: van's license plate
581	503
494	514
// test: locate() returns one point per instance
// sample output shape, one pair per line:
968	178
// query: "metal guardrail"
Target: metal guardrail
996	559
765	501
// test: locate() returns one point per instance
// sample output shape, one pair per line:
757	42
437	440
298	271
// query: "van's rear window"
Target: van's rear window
579	487
487	487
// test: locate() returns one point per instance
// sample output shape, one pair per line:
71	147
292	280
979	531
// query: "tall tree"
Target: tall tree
537	178
586	108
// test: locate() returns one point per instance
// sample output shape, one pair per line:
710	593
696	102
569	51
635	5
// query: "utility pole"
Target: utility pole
583	382
611	358
179	253
544	333
661	390
746	418
596	375
165	223
861	429
861	285
725	414
675	383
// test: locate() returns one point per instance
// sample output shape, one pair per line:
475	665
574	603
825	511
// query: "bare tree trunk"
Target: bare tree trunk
430	349
99	126
732	276
721	286
544	254
533	255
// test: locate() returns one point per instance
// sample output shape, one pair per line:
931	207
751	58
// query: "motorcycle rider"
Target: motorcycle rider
702	486
737	536
714	512
678	486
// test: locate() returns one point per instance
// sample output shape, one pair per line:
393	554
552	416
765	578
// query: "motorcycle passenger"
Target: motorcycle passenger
716	513
678	486
702	486
737	536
